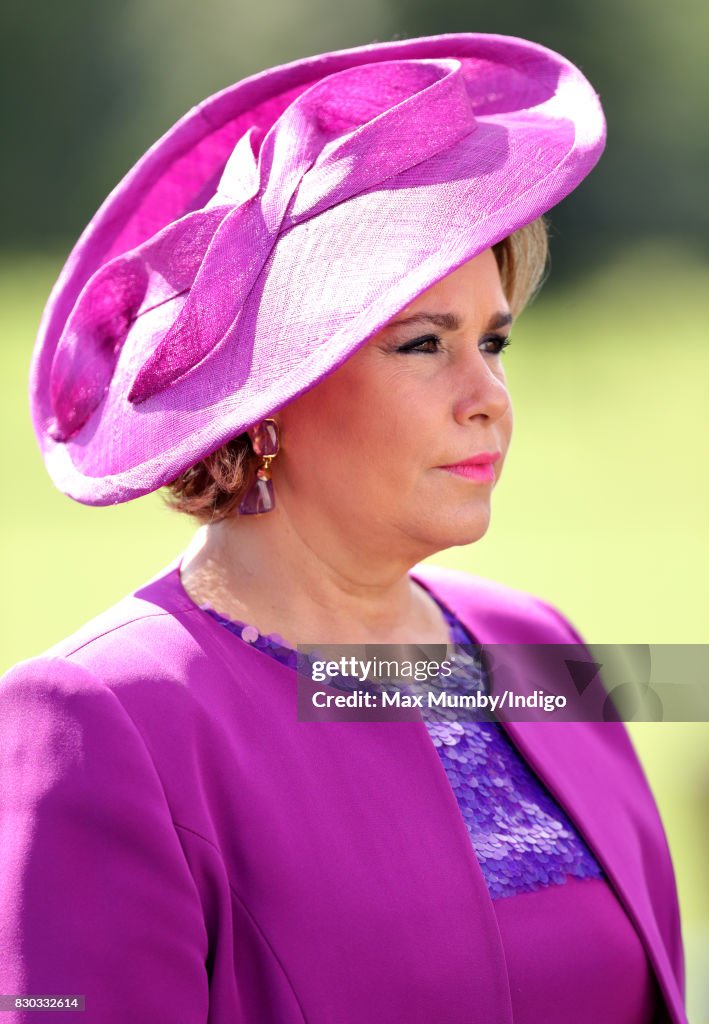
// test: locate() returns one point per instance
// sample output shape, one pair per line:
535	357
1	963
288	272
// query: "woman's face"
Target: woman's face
366	449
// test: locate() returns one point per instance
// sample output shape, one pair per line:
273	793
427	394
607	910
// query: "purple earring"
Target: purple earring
265	441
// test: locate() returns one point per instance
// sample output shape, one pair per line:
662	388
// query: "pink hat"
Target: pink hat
276	227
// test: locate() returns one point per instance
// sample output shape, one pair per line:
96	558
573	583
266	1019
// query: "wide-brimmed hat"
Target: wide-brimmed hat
276	227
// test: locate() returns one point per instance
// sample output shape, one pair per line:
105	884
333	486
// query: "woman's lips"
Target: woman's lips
480	468
483	473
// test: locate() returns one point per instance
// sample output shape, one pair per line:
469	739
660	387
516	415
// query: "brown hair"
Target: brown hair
213	488
522	258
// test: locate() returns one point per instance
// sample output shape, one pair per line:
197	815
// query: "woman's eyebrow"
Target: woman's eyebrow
501	319
450	321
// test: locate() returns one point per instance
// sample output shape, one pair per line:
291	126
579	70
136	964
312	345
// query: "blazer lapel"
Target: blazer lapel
589	767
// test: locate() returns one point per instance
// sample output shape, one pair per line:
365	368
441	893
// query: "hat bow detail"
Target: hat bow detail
349	132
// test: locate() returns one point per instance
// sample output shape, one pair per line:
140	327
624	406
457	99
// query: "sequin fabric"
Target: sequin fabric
522	838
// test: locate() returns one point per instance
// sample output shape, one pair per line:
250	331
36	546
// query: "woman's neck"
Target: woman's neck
271	576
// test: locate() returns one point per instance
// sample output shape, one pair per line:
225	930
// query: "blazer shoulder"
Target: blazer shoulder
506	613
156	632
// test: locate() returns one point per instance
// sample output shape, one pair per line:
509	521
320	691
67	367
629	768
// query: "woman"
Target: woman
293	312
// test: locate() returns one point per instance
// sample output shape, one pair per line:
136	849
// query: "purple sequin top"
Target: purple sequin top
522	839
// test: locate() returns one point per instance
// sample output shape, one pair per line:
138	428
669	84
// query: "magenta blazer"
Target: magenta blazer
177	847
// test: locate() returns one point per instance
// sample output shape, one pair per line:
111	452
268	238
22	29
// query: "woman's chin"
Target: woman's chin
470	536
460	530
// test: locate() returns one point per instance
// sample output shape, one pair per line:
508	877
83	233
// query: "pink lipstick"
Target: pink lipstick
478	468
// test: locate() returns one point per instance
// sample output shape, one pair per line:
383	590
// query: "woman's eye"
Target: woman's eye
431	343
494	345
498	342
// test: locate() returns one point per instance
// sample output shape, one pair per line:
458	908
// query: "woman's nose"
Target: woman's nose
481	389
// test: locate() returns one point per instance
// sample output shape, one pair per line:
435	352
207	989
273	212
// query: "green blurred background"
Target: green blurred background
602	508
